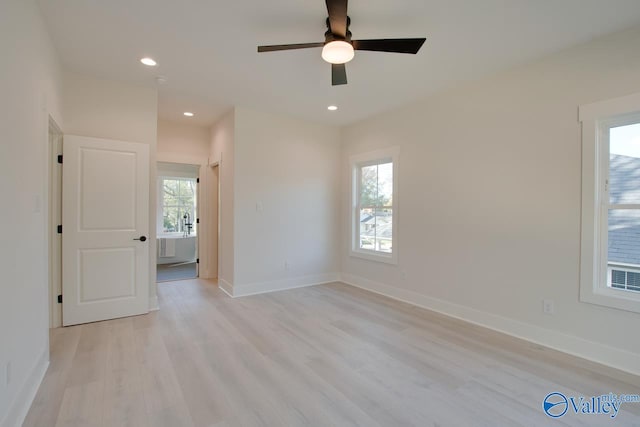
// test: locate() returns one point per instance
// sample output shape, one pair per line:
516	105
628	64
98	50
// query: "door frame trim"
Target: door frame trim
54	245
204	250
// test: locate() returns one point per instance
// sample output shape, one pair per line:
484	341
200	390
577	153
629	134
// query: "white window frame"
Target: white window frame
597	119
355	163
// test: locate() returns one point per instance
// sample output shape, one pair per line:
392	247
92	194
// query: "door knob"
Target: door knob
141	238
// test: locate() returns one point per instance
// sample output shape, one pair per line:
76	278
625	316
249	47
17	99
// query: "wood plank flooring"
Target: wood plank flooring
329	355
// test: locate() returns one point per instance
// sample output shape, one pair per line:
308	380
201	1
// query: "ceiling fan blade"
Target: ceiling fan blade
337	17
276	47
338	74
390	45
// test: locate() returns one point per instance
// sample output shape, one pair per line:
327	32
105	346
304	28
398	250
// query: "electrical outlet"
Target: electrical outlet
548	306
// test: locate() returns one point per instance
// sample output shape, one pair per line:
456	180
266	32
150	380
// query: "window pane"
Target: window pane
624	237
368	185
626	280
186	203
367	236
633	281
385	184
376	230
618	278
171	219
384	230
187	187
171	191
624	164
376	219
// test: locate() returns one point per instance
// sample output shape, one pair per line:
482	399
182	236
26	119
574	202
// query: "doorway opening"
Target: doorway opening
177	225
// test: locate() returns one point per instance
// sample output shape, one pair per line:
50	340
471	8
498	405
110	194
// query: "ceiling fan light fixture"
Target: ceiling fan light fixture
149	62
338	52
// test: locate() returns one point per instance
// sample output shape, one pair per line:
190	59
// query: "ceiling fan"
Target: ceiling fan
338	47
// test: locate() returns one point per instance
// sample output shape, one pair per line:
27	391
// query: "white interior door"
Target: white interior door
105	218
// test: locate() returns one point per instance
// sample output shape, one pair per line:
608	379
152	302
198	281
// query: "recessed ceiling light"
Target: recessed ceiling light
332	108
188	114
149	61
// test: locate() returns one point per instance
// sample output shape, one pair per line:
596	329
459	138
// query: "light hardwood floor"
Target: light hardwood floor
329	355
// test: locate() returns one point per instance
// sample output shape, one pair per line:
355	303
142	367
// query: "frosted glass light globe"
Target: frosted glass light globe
338	52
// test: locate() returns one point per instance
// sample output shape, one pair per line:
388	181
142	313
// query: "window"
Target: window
623	278
610	272
374	202
178	204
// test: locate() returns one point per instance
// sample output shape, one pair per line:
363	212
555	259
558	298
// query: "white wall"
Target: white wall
222	154
30	85
489	199
113	110
181	142
286	202
109	109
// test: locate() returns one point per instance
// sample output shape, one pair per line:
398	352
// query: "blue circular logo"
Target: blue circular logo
555	405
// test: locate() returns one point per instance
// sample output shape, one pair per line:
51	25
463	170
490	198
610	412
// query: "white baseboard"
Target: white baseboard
153	304
19	408
226	287
277	285
596	352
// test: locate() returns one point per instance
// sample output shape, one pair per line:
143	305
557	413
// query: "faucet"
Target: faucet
187	224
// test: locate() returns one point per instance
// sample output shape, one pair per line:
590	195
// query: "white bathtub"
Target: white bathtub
185	248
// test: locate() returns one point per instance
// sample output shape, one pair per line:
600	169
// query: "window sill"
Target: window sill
375	256
612	298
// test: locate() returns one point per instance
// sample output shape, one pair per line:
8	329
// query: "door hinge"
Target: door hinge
60	229
59	299
197	260
197	180
197	220
60	158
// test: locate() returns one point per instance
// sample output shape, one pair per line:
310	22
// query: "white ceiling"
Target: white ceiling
207	48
